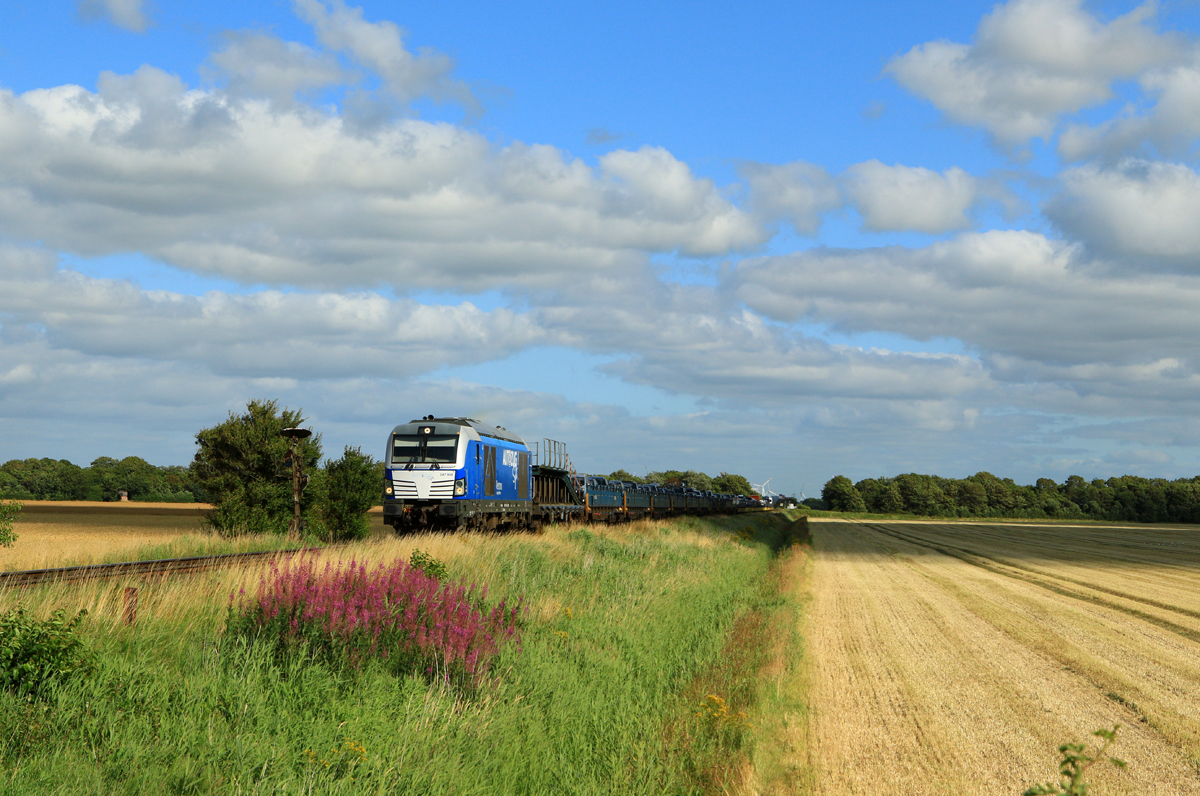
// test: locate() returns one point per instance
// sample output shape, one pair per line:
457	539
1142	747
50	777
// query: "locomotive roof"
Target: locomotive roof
483	429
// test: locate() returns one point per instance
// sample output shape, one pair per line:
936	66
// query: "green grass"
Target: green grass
627	631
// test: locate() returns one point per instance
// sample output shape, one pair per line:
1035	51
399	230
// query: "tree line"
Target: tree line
1129	498
242	467
104	479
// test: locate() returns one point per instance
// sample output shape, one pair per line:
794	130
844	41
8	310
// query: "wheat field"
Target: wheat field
956	658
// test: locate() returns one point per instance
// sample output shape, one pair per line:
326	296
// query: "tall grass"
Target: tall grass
623	626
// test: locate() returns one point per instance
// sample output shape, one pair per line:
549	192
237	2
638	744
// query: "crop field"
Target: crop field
69	533
957	658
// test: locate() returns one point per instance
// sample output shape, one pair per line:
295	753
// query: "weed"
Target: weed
34	654
1073	764
429	565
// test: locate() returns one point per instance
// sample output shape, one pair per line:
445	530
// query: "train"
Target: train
456	473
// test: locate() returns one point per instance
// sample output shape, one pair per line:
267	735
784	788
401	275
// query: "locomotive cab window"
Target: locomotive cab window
424	448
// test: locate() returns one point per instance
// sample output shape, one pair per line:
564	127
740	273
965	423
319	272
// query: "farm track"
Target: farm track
161	566
955	659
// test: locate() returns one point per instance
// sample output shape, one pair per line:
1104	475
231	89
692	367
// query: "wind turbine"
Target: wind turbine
762	488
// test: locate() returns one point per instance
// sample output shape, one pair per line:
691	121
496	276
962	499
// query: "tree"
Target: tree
840	495
241	465
731	484
623	475
352	486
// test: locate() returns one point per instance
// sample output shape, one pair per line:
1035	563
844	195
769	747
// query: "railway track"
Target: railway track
160	566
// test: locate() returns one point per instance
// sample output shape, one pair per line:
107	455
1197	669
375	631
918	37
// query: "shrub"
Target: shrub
9	511
34	654
353	486
429	565
398	615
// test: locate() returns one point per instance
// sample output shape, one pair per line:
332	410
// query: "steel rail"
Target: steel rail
158	566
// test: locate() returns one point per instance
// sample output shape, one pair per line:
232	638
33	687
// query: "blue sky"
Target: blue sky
772	239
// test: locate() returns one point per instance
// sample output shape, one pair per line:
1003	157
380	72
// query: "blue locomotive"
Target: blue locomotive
455	472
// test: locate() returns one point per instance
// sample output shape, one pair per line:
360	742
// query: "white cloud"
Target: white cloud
1036	310
267	334
1171	126
1031	62
1140	212
903	198
259	65
798	192
258	193
127	14
379	46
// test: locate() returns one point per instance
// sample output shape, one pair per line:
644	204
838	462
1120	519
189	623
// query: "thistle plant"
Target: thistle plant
1073	765
347	615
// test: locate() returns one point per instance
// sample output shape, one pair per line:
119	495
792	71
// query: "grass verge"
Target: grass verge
628	632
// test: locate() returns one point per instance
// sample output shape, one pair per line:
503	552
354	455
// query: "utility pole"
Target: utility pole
294	435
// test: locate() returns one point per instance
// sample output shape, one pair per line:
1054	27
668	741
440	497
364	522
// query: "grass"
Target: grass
630	633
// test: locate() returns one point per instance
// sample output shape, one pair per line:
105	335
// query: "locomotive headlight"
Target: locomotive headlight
460	487
387	490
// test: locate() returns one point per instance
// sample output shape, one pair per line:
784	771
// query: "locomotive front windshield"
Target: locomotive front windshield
424	448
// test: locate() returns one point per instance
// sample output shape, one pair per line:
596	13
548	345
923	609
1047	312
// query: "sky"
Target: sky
778	239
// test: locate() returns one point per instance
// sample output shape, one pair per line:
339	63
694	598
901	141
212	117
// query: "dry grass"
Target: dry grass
58	539
956	659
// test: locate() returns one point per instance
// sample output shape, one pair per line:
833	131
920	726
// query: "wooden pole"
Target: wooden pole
131	601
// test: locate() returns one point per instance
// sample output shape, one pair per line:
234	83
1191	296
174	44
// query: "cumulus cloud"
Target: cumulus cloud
259	65
262	194
379	46
1034	309
1031	62
1141	213
800	193
901	198
1170	127
127	14
266	334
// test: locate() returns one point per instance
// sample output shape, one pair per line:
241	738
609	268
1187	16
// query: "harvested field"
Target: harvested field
62	533
956	658
69	533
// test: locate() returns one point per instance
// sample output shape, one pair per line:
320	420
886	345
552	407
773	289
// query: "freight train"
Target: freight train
457	473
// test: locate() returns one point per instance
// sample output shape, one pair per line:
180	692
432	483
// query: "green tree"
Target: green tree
352	485
731	484
623	475
242	467
839	494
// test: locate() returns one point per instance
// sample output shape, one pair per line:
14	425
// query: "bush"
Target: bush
428	564
348	615
352	486
34	654
9	511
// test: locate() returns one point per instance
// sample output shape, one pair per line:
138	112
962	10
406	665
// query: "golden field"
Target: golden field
956	658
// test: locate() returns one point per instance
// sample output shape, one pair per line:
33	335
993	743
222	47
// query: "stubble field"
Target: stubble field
956	658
